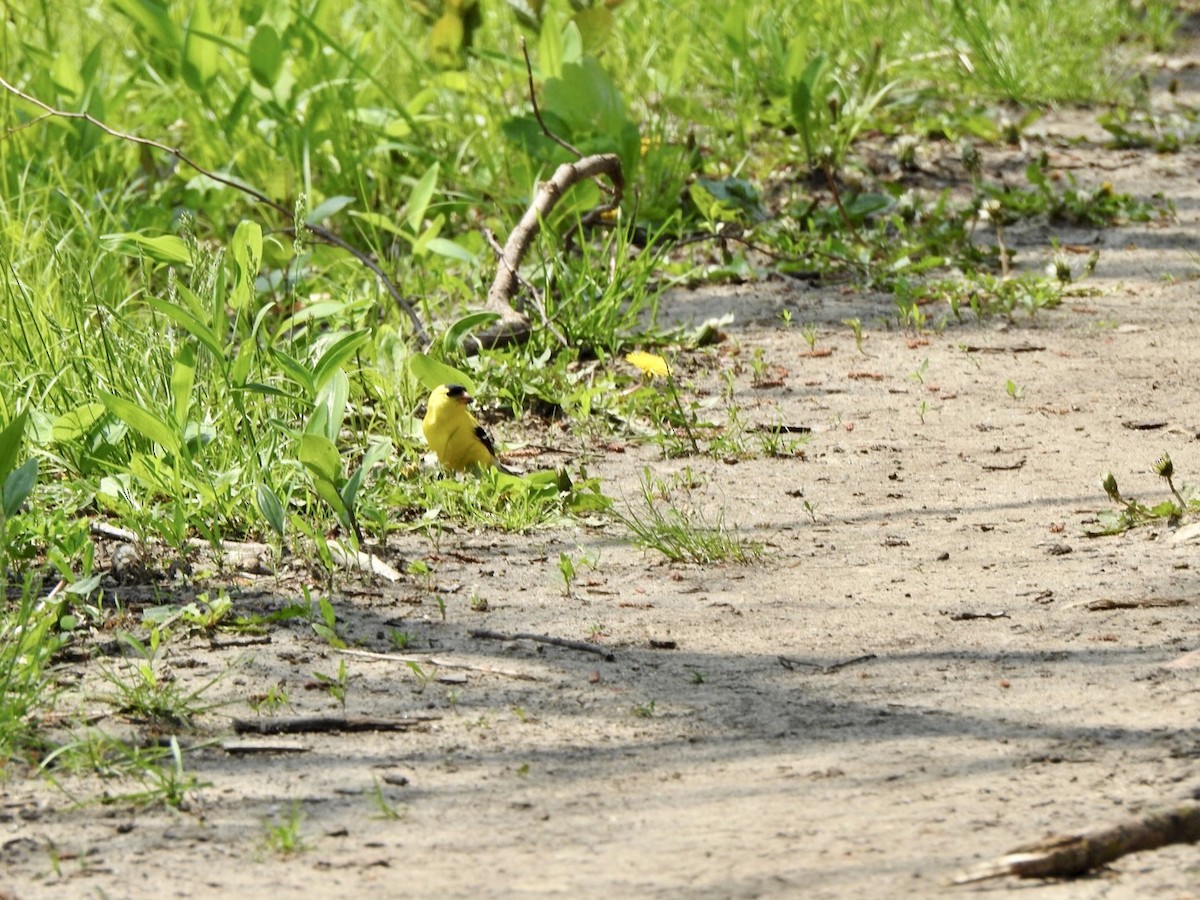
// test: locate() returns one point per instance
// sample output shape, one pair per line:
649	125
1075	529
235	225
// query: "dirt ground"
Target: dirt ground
757	766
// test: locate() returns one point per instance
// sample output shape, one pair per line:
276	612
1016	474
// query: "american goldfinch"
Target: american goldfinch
453	433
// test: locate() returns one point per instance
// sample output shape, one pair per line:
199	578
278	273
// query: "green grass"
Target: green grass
681	532
184	361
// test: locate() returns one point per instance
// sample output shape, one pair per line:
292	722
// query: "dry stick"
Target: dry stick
545	639
514	326
1143	603
790	663
323	234
537	113
1069	856
310	724
837	198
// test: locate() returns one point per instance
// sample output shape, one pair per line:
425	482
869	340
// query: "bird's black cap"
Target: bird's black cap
456	391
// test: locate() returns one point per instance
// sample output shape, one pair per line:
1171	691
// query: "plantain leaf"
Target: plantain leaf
266	56
183	379
11	439
17	486
418	200
199	49
432	373
165	248
320	456
270	507
144	422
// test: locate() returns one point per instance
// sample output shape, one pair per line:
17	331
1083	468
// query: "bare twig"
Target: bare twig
1108	603
804	275
537	113
322	234
837	198
514	325
1072	855
790	663
850	662
311	724
583	646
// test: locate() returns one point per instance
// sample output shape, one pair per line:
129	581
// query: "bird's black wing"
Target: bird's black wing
485	439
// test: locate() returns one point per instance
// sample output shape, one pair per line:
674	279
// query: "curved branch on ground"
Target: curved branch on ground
514	326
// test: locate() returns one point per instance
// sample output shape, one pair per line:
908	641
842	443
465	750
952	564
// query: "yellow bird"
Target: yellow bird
450	429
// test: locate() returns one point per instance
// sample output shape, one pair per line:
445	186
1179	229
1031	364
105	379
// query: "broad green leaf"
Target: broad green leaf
464	326
572	42
680	63
40	428
333	358
374	455
737	34
247	249
381	222
73	425
432	373
18	484
165	248
528	12
550	51
199	49
144	422
270	507
328	492
595	25
420	245
190	323
330	407
586	98
183	378
266	56
418	200
240	370
247	246
66	76
154	18
11	439
451	249
326	309
320	456
329	208
294	371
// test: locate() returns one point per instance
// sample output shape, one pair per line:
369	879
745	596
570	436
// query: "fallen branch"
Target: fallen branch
327	724
790	663
514	326
583	646
1069	856
1140	603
